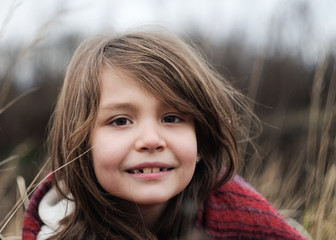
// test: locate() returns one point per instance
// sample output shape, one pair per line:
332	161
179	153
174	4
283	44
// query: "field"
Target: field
293	164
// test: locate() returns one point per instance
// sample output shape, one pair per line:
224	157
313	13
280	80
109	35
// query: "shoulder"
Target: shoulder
237	210
31	220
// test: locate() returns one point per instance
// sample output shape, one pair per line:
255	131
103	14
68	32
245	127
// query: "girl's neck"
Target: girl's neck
150	214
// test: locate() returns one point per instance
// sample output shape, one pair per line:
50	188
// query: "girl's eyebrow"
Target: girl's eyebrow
128	106
117	106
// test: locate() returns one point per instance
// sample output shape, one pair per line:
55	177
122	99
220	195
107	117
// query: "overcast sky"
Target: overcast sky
214	18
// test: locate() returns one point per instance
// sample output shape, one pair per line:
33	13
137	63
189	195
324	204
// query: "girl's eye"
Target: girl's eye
121	121
171	119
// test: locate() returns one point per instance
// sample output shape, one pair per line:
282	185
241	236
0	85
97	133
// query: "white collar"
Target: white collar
52	209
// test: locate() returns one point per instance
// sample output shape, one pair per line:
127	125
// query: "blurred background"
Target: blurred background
281	53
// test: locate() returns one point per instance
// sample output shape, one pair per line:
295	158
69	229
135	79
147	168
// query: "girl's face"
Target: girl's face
143	150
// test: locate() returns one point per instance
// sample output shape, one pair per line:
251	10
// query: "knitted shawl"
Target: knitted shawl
234	211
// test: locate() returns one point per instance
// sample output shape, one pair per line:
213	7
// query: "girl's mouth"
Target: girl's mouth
148	170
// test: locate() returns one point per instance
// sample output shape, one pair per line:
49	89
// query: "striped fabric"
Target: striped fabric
31	220
234	211
237	211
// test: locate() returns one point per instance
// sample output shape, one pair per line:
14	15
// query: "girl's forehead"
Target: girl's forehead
158	90
127	77
118	74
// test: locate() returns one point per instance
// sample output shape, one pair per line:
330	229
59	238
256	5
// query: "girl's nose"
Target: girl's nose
150	139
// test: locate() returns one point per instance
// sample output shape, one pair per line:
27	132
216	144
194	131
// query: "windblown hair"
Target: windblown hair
177	74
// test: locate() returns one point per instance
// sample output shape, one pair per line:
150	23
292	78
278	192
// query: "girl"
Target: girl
144	146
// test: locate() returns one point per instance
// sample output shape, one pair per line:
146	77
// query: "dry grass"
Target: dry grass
305	189
7	178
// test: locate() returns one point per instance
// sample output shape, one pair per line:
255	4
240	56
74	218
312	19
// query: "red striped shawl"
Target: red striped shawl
234	211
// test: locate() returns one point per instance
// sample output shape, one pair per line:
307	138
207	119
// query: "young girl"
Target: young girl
144	146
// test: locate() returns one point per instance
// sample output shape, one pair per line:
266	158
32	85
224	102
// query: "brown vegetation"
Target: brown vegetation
295	167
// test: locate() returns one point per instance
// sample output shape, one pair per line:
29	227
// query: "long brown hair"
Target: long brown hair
178	75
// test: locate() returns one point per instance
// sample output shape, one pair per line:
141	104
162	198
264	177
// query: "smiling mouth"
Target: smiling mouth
149	170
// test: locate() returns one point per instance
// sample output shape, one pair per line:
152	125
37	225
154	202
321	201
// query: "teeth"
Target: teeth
147	170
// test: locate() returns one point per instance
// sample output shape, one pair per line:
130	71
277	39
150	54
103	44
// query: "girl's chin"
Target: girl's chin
151	202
